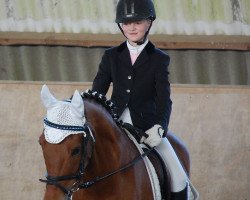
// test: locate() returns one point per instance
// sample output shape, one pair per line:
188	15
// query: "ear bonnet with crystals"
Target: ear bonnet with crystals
64	118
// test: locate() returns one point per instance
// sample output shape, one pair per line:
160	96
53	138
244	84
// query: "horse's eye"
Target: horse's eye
75	151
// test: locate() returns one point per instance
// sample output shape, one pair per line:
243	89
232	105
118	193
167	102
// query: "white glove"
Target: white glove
154	136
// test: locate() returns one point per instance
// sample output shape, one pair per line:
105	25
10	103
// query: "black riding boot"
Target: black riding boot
182	195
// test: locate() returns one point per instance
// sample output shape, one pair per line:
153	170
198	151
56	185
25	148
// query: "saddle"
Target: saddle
156	160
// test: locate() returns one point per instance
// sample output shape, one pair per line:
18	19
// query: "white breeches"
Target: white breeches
178	176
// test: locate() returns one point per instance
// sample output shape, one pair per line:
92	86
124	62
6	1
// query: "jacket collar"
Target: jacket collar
143	57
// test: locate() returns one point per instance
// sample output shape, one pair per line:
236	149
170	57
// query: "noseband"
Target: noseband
54	180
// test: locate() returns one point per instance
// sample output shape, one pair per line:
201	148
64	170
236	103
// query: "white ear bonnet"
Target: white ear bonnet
63	117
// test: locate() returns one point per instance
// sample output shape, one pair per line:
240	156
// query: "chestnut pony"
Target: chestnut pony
87	154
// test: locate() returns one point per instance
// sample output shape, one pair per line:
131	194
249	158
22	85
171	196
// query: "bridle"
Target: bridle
87	137
54	180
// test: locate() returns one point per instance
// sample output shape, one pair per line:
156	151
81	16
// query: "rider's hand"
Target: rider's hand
154	136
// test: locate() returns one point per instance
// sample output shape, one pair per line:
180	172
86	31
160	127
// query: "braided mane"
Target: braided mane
101	99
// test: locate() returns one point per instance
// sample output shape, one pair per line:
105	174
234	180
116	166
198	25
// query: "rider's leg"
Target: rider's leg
179	178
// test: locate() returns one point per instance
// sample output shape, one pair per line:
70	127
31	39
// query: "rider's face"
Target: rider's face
135	31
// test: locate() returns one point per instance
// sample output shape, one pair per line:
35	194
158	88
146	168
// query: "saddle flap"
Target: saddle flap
161	171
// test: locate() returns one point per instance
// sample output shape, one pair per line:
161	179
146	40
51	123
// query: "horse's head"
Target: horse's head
66	143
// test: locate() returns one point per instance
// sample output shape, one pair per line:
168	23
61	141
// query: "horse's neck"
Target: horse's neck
112	147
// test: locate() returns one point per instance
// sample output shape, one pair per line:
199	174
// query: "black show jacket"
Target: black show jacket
143	88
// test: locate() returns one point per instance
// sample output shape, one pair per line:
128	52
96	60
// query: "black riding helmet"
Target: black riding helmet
135	10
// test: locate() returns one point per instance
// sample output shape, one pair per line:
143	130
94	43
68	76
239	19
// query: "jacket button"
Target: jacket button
128	91
129	77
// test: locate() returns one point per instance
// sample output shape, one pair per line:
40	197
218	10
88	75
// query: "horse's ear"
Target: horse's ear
77	104
47	98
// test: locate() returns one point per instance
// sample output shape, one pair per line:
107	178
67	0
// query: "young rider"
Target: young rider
141	90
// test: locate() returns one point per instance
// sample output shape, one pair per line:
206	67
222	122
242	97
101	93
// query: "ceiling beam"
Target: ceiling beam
219	42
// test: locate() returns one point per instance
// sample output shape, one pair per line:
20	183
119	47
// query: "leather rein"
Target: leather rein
87	137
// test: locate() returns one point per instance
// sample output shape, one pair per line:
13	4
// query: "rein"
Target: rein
130	164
